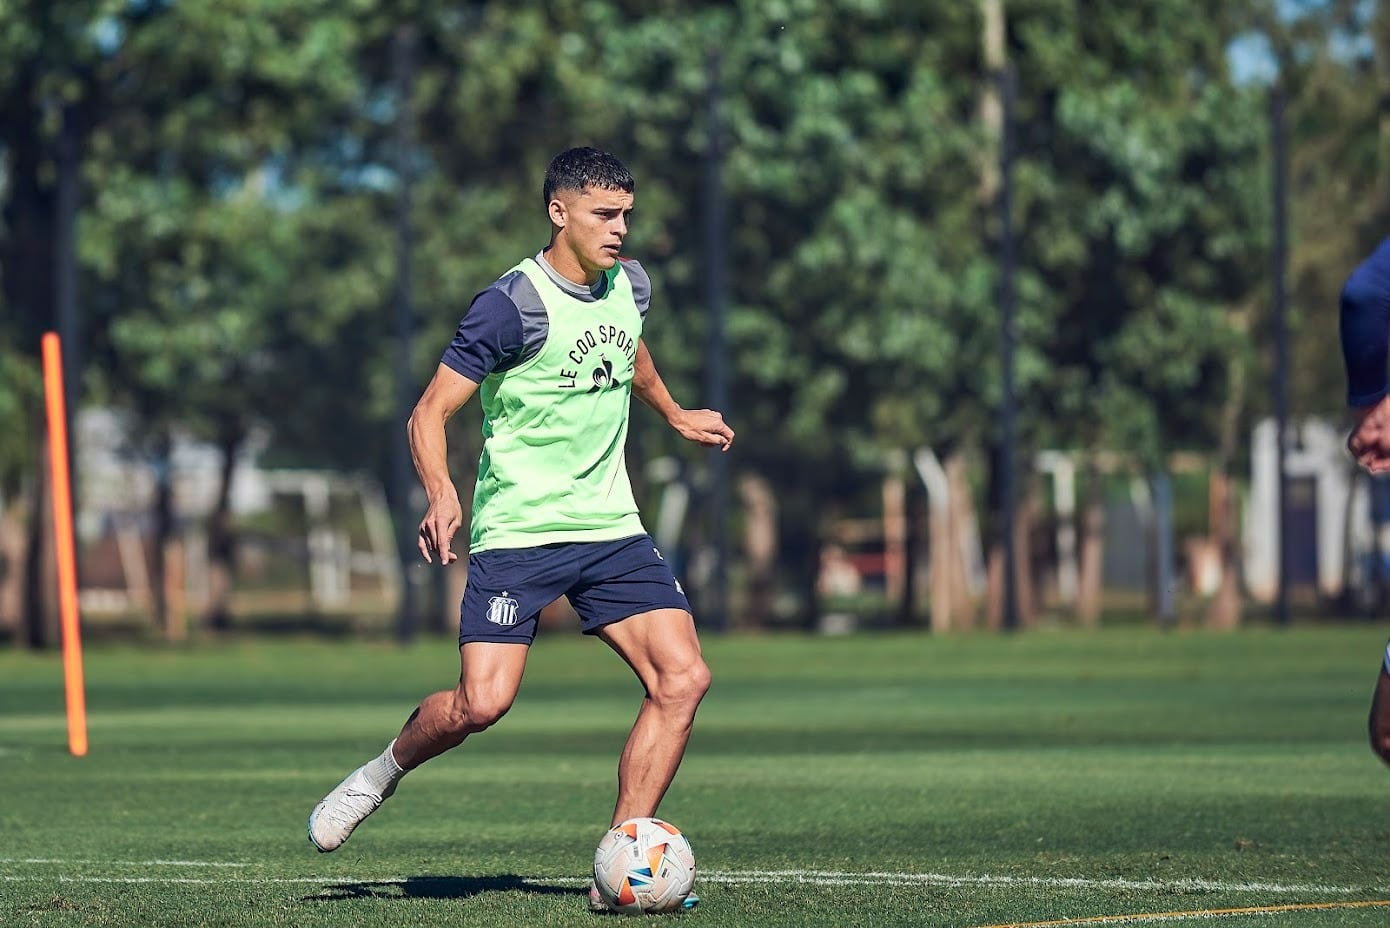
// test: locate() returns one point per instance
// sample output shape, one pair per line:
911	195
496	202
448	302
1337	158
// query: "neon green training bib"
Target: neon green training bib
553	466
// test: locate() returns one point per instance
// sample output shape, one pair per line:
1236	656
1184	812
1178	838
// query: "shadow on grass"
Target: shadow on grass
442	887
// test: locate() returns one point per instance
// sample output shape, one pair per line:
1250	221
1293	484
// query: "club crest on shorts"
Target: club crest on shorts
502	610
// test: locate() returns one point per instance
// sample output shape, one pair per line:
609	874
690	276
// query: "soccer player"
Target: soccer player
554	348
1365	332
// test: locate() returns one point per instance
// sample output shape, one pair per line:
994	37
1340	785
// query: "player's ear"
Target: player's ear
559	213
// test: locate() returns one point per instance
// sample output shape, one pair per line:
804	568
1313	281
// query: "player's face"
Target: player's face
593	225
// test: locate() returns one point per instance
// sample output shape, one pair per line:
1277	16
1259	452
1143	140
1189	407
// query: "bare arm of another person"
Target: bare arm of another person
1369	441
1364	329
446	393
703	426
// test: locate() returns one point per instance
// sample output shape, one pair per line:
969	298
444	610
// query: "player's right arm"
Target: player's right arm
489	337
448	390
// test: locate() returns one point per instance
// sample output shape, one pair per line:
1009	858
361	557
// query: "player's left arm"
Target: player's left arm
704	426
1365	332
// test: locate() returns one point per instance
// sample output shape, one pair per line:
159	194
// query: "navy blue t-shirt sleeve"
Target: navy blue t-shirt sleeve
1365	328
489	337
641	285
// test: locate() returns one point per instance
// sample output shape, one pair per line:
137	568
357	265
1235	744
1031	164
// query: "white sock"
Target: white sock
382	772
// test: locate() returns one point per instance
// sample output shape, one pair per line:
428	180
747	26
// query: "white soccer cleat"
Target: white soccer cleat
342	810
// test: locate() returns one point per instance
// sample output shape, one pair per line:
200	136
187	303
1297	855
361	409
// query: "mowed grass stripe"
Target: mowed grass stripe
875	780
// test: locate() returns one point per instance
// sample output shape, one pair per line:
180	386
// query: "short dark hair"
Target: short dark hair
582	168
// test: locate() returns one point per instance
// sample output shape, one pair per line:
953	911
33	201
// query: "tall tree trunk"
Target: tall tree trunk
29	209
40	607
221	536
760	547
917	576
163	514
809	577
894	495
939	539
950	523
1024	529
30	206
1025	517
1090	579
15	516
1224	609
993	49
1025	600
962	532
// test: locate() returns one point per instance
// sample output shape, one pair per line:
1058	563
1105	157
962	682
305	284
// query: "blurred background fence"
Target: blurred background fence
1009	302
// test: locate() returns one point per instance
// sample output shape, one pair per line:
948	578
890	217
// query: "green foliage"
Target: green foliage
1332	59
846	157
240	218
21	395
1145	219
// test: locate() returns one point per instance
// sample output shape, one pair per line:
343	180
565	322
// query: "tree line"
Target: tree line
233	173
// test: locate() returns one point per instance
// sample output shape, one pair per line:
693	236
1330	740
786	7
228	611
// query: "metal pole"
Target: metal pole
1008	335
403	479
714	609
1161	492
1279	143
65	288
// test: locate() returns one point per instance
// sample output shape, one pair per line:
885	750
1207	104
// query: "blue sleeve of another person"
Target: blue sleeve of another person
488	338
1365	327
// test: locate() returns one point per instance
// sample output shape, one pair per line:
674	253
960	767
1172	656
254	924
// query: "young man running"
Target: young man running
555	349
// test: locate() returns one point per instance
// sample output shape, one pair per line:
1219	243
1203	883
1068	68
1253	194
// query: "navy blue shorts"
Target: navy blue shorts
606	581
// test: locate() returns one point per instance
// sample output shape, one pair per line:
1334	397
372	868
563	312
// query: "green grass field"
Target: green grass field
874	780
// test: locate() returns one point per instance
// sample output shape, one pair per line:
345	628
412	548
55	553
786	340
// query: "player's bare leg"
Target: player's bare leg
1379	722
489	676
663	650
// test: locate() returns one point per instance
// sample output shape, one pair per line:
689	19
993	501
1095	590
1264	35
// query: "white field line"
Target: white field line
803	877
842	878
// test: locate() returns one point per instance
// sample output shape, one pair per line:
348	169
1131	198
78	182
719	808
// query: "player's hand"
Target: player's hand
1369	442
437	529
705	427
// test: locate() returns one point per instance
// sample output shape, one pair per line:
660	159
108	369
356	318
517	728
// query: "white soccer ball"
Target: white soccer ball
644	866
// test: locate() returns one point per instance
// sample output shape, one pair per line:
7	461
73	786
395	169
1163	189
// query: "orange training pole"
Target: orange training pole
63	540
